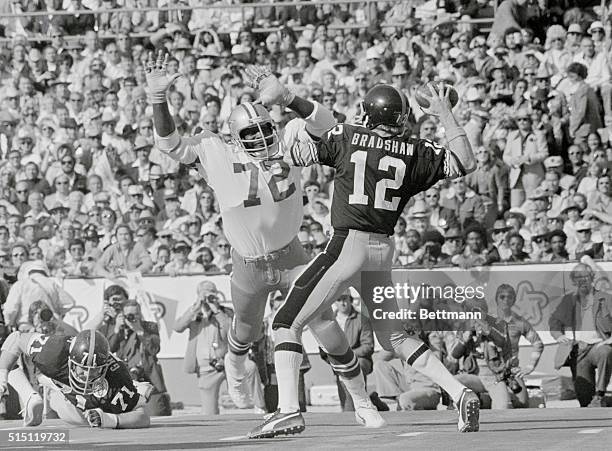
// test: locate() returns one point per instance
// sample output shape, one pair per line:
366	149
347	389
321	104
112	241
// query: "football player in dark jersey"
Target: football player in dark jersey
87	385
378	169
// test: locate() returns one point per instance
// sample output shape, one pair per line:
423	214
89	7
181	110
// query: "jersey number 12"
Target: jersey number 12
359	197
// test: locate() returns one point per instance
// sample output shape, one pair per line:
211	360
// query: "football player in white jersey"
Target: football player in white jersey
260	198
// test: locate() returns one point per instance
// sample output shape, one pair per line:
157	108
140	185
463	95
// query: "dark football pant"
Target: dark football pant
339	267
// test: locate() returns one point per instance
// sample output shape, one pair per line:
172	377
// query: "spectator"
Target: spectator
585	109
124	256
114	298
582	339
208	324
359	335
477	252
137	343
525	151
180	264
34	284
398	382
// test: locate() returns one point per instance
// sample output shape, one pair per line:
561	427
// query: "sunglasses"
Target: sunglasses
21	254
107	216
523	119
67	162
539	240
583	231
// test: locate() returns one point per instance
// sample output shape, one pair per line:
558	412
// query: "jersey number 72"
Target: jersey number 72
273	184
359	197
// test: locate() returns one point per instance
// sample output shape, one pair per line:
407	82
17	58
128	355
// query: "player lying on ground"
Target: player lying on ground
260	199
378	169
87	385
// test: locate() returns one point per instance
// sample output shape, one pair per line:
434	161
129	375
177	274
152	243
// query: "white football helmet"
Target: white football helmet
253	130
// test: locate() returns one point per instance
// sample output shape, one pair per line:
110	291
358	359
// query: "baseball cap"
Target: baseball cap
170	194
582	225
181	245
134	190
555	161
575	28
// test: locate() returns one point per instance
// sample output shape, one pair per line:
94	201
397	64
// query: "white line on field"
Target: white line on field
590	431
411	434
235	437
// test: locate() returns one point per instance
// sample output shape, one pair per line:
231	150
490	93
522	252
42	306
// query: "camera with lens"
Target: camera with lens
130	317
511	382
138	374
217	364
47	326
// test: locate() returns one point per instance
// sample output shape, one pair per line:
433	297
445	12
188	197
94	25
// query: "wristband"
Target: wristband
155	98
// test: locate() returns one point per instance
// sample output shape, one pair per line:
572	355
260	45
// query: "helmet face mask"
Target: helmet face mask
253	131
88	361
386	109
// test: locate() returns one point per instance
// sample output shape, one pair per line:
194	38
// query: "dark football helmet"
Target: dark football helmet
385	107
88	360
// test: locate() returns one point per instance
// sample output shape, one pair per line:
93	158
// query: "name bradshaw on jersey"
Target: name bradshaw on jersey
115	393
389	145
376	176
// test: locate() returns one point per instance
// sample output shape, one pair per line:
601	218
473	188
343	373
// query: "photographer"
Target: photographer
34	284
488	354
137	343
517	327
208	324
114	298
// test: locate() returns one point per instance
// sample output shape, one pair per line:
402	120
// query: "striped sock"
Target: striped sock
346	366
287	362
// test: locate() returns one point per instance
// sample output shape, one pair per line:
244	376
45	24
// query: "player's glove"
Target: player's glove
158	80
97	418
271	91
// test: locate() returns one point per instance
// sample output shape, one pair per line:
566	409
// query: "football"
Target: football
423	93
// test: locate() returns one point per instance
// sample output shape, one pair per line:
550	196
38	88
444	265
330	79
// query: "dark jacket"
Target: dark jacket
568	317
140	353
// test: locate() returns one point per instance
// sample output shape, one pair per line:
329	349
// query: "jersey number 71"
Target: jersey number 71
359	159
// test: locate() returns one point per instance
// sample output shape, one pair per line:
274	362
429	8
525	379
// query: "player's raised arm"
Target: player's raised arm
167	138
272	92
458	144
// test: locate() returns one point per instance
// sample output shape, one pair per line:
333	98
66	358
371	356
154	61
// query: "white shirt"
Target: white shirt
260	215
599	72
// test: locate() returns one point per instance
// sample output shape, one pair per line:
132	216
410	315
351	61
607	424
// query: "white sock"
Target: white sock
287	365
430	366
235	364
20	382
356	388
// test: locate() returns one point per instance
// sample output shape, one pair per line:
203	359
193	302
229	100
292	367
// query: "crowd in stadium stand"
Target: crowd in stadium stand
83	187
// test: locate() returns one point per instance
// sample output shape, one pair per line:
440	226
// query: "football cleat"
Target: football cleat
367	414
279	424
469	412
33	411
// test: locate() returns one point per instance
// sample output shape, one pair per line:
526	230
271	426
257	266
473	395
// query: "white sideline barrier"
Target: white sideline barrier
165	298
